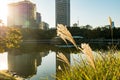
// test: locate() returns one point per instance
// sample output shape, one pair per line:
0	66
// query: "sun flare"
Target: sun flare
3	67
3	11
3	61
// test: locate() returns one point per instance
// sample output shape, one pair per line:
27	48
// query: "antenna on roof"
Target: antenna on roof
78	22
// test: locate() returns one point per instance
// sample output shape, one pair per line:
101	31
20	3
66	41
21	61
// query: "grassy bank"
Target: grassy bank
107	67
5	76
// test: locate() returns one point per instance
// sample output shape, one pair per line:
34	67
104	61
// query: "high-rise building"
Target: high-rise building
38	18
63	12
44	26
22	14
113	25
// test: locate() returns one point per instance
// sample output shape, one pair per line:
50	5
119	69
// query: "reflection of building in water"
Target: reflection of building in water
39	57
24	64
43	54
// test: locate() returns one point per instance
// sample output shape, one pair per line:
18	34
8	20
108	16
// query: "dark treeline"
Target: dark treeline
86	31
38	34
96	33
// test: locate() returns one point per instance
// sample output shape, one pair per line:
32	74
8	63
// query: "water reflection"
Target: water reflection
36	62
47	69
3	61
24	65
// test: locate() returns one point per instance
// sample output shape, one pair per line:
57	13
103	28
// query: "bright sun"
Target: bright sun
3	61
3	11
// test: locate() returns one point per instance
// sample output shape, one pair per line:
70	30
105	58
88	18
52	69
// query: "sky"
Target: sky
92	12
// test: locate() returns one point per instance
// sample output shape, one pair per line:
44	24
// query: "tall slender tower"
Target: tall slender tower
63	12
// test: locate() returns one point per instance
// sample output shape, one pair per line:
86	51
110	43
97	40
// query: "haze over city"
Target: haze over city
92	12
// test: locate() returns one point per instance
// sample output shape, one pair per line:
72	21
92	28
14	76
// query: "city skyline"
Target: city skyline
94	12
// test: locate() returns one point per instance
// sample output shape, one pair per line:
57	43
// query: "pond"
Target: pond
34	62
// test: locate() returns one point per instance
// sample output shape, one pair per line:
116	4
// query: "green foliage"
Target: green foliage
9	38
38	34
86	32
107	68
95	33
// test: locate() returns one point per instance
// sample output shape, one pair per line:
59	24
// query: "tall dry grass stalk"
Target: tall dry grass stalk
63	58
111	28
88	51
64	33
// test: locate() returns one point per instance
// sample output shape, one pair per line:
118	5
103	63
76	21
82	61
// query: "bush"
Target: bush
9	38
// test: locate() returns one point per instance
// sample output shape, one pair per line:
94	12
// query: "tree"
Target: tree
9	38
87	27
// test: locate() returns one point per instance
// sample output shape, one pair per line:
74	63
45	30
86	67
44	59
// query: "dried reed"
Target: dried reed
63	58
64	33
88	51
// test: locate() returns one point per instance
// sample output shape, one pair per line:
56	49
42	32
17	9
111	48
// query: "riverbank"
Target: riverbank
105	67
5	76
